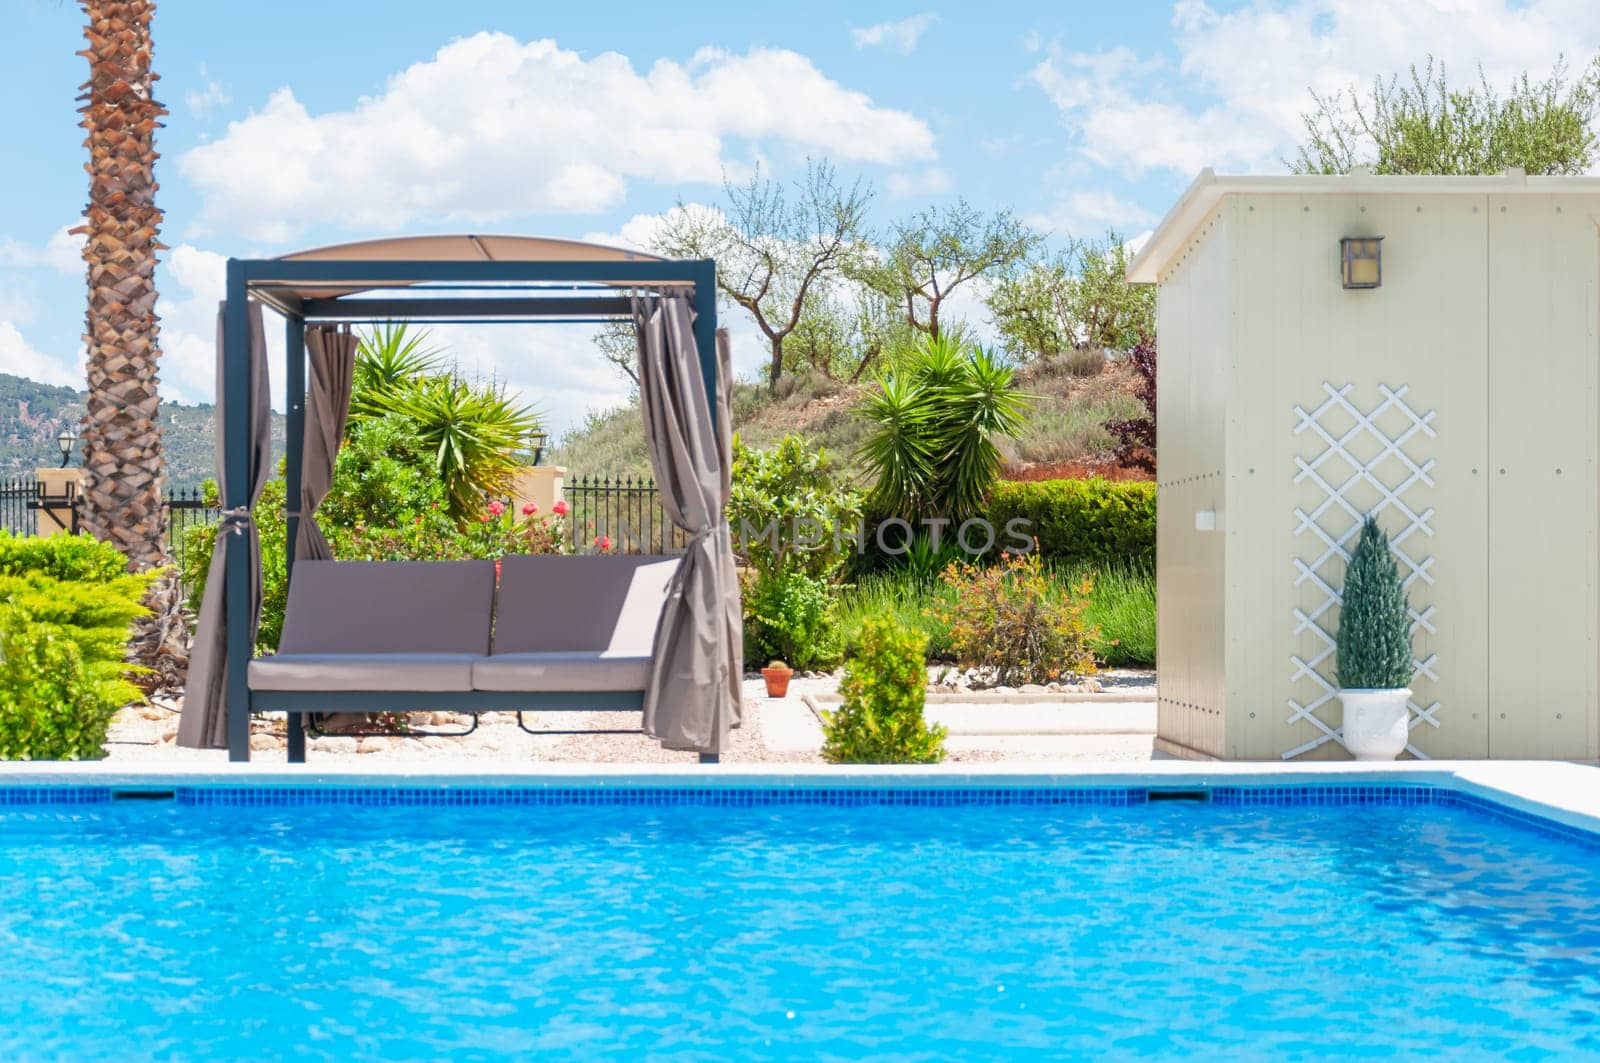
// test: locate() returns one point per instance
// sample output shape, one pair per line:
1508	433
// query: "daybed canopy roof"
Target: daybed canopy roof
299	293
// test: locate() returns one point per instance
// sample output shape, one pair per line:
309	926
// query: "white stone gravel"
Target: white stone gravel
142	735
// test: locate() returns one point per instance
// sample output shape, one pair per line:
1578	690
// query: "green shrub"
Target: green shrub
786	510
66	606
1080	521
1374	622
51	708
791	615
1007	622
885	684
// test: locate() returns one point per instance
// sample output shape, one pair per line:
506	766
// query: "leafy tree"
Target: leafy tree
940	249
787	511
1136	437
847	329
1429	127
774	251
619	346
931	447
1076	299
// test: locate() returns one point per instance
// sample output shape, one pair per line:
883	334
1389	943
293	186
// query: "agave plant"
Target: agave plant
934	419
475	432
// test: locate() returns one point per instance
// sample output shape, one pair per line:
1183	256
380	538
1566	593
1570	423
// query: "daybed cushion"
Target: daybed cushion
363	671
534	672
384	607
598	603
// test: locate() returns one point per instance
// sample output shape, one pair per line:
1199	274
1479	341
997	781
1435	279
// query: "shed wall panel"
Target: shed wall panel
1193	310
1544	265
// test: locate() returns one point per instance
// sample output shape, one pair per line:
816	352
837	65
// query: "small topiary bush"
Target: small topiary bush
1374	622
1080	521
791	615
66	606
1012	624
885	684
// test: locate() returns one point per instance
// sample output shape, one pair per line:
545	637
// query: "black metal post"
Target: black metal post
294	337
235	402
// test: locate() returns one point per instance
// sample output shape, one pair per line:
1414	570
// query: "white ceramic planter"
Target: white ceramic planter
1376	722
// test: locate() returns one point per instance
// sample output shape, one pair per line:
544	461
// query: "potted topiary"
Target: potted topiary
1375	663
777	674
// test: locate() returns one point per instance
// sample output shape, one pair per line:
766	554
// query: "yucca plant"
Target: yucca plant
390	360
476	434
1374	621
935	418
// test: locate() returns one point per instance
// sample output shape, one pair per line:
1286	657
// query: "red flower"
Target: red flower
560	507
529	510
604	542
497	507
484	519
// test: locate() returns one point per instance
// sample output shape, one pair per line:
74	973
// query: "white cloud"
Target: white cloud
21	358
638	233
930	181
490	128
902	35
1088	213
63	252
1233	99
204	101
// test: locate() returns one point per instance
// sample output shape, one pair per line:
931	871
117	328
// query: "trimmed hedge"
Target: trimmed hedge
1081	521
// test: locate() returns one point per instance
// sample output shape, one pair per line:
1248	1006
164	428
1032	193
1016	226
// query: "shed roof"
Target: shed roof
470	247
1208	189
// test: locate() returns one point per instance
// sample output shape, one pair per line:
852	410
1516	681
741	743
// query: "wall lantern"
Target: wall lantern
1361	261
540	440
66	441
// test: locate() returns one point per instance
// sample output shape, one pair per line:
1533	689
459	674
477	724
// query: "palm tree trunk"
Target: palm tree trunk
124	465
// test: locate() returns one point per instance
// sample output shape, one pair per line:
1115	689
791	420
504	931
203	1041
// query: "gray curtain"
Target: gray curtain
735	613
204	724
693	694
332	361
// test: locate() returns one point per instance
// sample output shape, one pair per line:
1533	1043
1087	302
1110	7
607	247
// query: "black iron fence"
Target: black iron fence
17	514
624	511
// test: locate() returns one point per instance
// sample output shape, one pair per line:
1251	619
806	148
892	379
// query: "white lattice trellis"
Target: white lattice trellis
1335	522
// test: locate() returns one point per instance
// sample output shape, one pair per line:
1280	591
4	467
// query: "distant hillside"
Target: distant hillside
1065	434
32	415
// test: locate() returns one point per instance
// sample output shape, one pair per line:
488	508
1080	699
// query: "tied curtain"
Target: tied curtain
204	723
332	360
693	697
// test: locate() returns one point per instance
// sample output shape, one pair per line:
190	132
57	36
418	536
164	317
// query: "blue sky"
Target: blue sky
298	124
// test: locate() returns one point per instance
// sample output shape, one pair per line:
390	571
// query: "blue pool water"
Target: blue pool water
974	931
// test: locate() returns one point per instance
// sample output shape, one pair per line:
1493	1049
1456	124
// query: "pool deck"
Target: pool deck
1565	793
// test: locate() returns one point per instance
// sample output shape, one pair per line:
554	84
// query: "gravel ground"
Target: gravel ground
144	735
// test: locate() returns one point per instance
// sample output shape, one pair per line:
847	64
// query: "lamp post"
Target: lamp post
539	440
67	441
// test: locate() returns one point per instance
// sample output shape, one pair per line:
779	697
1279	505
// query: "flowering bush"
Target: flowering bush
1011	622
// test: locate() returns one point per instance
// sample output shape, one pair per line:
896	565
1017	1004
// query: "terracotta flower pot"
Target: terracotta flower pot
777	681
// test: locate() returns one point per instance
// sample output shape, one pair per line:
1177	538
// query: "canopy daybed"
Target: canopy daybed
661	635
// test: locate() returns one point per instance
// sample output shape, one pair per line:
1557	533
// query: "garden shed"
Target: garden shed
1424	349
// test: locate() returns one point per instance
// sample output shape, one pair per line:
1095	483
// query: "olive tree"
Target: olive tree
1427	126
775	248
1075	299
934	252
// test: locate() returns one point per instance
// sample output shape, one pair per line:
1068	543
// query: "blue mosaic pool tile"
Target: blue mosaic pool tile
750	797
1351	794
54	795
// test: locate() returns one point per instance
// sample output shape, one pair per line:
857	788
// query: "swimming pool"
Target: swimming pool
702	924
